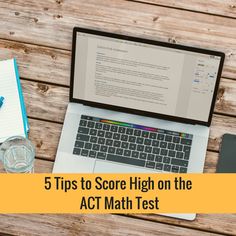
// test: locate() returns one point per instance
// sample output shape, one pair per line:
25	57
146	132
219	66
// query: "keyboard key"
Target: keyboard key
159	166
168	138
155	143
114	128
166	160
132	146
104	148
106	127
140	148
127	153
156	150
83	123
150	164
158	159
171	146
151	157
101	155
77	151
187	148
145	134
132	139
117	143
101	140
175	169
124	137
135	154
179	147
164	152
125	160
121	130
153	135
116	136
176	139
148	149
93	132
143	155
186	141
101	133
93	139
179	162
98	125
96	147
84	152
111	150
124	145
119	151
137	132
83	137
79	144
163	144
160	136
171	153
140	140
147	141
129	131
92	154
167	167
88	146
91	124
108	135
186	155
109	142
183	170
180	155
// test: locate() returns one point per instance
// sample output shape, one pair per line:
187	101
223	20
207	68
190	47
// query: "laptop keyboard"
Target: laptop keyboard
133	144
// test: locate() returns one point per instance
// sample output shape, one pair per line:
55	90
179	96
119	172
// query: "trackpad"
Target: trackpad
110	167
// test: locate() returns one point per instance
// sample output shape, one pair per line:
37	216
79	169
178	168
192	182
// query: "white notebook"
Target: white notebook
13	119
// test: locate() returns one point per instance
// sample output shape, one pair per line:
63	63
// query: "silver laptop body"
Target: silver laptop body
143	87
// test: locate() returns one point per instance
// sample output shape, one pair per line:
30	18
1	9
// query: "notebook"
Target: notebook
13	118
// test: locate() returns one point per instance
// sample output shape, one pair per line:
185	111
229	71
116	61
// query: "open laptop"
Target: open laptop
137	105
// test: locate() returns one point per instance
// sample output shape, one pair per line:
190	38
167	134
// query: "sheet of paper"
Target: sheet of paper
11	121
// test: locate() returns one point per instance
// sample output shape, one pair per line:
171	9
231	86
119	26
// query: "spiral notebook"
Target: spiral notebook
13	118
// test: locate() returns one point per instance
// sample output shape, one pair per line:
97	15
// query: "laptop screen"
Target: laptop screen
140	76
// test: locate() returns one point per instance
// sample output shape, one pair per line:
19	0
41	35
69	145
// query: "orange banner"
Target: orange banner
118	193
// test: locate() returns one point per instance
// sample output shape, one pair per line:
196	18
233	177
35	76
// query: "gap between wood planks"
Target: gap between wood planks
179	8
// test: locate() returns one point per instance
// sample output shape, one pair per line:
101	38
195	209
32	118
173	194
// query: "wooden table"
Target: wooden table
39	35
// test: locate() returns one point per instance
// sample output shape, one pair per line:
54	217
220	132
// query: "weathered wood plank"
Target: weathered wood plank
61	224
49	101
50	23
40	166
38	63
218	7
46	134
218	223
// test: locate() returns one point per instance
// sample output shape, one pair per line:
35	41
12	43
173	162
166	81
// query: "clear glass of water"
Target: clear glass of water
17	154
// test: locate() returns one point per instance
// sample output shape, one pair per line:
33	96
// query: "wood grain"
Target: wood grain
40	166
46	134
67	225
49	101
50	23
37	62
217	7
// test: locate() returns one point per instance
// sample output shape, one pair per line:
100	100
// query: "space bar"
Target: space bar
125	160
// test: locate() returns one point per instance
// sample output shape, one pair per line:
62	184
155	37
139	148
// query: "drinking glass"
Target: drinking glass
17	154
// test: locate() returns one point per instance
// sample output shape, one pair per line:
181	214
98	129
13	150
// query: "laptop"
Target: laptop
137	106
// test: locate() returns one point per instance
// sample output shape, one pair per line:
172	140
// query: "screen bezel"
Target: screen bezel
152	42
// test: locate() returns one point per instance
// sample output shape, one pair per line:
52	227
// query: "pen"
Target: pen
1	101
